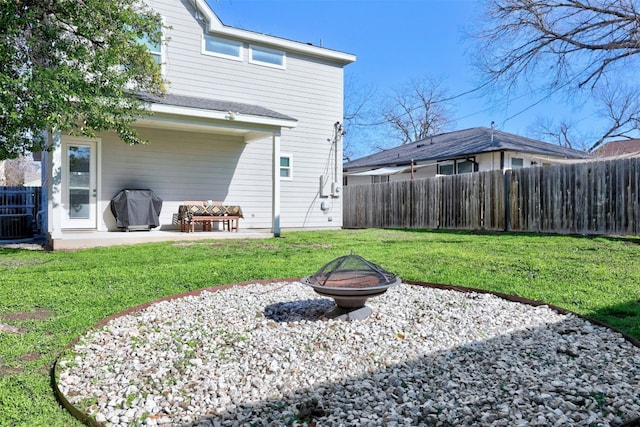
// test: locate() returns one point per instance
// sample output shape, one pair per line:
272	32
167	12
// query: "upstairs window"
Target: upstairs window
154	47
269	57
225	48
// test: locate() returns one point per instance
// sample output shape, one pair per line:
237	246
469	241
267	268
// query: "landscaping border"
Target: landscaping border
86	419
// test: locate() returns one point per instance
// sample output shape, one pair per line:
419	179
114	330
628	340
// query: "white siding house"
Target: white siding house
248	120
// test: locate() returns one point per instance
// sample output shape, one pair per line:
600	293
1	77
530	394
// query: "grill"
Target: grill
350	280
136	209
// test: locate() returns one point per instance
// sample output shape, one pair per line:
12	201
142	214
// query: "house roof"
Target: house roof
213	105
459	144
619	148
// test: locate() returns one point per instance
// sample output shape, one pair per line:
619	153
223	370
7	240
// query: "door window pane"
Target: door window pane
79	161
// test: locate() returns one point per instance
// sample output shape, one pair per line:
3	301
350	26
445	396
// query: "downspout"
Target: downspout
335	156
275	184
337	136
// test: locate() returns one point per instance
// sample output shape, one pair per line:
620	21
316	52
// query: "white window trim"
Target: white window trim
290	168
240	45
268	64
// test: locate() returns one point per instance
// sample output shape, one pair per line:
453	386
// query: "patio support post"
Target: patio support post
275	187
45	168
55	186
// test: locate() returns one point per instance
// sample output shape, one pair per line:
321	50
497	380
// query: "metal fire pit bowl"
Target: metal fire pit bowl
350	280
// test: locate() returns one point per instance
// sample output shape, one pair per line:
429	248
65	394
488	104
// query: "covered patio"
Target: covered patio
72	240
200	149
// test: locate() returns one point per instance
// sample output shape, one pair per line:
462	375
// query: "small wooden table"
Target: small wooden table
228	215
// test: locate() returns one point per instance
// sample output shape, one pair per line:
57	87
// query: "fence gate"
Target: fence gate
18	209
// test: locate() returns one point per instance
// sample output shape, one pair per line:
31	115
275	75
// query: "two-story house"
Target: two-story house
249	119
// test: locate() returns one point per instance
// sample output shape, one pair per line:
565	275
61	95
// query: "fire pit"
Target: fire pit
350	280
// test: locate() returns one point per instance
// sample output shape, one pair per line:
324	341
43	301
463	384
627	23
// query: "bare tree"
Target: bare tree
568	44
17	170
557	133
622	106
358	110
417	110
562	132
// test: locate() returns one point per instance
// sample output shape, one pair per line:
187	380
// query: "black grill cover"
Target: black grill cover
136	208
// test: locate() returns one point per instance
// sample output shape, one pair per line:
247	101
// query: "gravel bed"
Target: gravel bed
263	355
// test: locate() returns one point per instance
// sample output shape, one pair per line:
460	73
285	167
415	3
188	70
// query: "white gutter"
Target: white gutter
228	116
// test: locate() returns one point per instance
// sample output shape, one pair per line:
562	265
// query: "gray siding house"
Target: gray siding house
470	150
245	121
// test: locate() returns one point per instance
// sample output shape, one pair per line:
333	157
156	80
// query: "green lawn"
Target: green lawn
48	299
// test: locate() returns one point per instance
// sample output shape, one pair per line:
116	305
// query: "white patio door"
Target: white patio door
79	190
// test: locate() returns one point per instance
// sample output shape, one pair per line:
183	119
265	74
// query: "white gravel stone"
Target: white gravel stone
265	355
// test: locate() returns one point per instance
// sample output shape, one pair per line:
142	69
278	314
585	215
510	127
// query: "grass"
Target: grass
53	298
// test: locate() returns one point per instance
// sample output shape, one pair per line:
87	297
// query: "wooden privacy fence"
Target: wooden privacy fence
585	198
19	207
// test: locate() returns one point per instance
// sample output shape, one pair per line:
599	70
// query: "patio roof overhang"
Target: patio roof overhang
250	127
251	122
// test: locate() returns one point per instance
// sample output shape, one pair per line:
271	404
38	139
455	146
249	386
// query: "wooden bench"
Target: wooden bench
229	222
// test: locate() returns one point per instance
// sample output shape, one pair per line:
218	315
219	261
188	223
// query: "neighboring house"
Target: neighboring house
469	150
22	171
245	121
619	149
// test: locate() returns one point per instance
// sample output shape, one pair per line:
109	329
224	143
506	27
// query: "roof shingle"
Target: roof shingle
458	144
213	104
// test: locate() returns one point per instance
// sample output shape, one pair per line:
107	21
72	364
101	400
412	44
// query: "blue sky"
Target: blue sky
399	40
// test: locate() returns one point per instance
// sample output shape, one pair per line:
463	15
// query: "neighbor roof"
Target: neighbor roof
618	148
458	144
